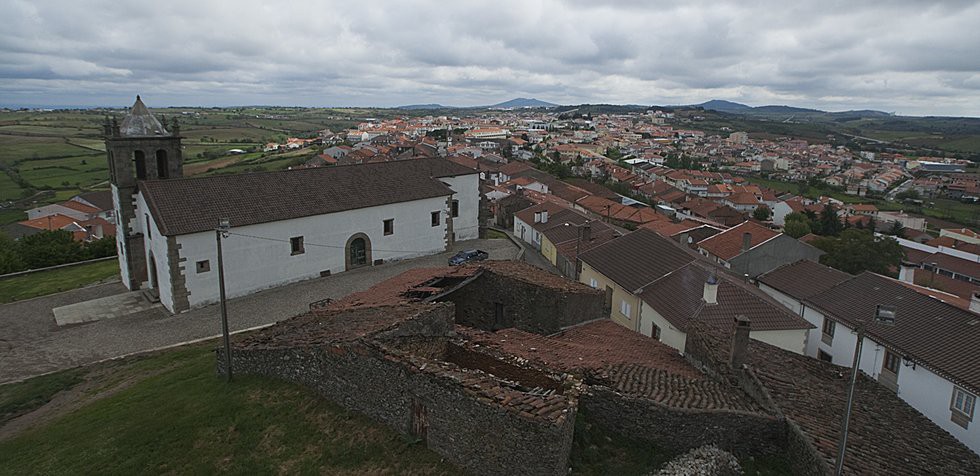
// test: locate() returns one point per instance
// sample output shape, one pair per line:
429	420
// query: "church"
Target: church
285	226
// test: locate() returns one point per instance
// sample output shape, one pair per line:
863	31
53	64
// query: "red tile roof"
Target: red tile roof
622	359
728	244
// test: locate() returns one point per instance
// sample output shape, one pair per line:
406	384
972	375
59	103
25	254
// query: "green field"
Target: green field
57	280
168	412
12	216
20	148
963	213
9	190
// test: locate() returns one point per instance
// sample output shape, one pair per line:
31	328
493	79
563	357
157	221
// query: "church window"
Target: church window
296	245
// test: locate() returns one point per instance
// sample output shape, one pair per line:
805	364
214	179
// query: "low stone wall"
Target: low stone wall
478	436
494	302
678	430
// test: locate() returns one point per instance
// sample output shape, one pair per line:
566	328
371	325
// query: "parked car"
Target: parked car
466	256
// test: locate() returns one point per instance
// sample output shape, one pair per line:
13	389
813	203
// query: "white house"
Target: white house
656	287
930	357
294	225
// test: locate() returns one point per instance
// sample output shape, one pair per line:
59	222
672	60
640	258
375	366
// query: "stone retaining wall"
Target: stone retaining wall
478	436
678	430
494	302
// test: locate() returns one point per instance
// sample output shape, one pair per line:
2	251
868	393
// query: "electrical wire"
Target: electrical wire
321	245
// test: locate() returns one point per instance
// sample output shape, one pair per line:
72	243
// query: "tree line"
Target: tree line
50	248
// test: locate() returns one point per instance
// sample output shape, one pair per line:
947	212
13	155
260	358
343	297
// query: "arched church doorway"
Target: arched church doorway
358	251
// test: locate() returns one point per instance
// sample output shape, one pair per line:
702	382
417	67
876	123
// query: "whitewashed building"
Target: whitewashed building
930	357
286	226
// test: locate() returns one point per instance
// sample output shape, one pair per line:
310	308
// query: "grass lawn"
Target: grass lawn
23	397
56	280
176	416
168	412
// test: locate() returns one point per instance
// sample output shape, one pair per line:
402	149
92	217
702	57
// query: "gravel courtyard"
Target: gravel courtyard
31	343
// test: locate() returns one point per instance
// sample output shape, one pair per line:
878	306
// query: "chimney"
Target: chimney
746	241
586	232
537	217
711	290
740	341
975	302
544	216
906	272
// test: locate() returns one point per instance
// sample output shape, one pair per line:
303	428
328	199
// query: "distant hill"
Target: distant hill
424	106
723	106
737	108
522	102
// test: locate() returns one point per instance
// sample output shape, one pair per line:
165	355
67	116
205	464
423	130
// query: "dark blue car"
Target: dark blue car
466	256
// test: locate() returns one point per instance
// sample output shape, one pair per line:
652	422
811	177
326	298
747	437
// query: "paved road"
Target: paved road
31	343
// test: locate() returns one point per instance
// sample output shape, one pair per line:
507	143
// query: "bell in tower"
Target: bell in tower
139	148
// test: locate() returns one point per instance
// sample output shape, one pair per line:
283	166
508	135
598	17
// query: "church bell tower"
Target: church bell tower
139	148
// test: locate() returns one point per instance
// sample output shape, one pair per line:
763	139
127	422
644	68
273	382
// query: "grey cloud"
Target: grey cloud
905	56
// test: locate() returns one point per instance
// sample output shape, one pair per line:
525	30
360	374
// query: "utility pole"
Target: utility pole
884	315
221	232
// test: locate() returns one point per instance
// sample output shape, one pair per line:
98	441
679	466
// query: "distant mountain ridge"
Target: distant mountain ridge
516	103
522	102
730	107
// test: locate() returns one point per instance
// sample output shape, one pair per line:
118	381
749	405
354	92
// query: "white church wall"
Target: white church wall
253	264
467	188
155	251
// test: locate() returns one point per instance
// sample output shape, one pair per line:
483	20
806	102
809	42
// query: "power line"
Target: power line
321	245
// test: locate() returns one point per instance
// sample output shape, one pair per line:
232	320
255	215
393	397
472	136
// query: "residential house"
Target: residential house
623	266
698	291
752	249
930	356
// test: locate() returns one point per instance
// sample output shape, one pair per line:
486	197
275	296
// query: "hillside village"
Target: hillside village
658	288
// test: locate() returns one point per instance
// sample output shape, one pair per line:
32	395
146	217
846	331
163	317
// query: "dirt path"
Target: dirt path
200	168
102	381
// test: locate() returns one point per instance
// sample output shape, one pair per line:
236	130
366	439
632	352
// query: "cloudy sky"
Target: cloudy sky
911	57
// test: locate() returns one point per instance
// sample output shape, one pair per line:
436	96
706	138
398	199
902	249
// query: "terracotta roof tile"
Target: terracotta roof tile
728	244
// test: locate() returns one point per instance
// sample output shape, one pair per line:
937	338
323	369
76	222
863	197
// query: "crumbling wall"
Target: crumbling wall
707	349
380	381
679	430
493	302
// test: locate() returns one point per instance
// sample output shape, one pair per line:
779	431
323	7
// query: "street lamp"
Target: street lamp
222	232
884	315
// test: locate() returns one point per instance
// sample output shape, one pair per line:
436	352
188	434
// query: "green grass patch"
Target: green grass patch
9	190
496	235
12	216
17	148
186	420
22	397
56	280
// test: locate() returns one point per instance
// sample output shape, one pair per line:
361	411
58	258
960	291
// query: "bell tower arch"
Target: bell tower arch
139	148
